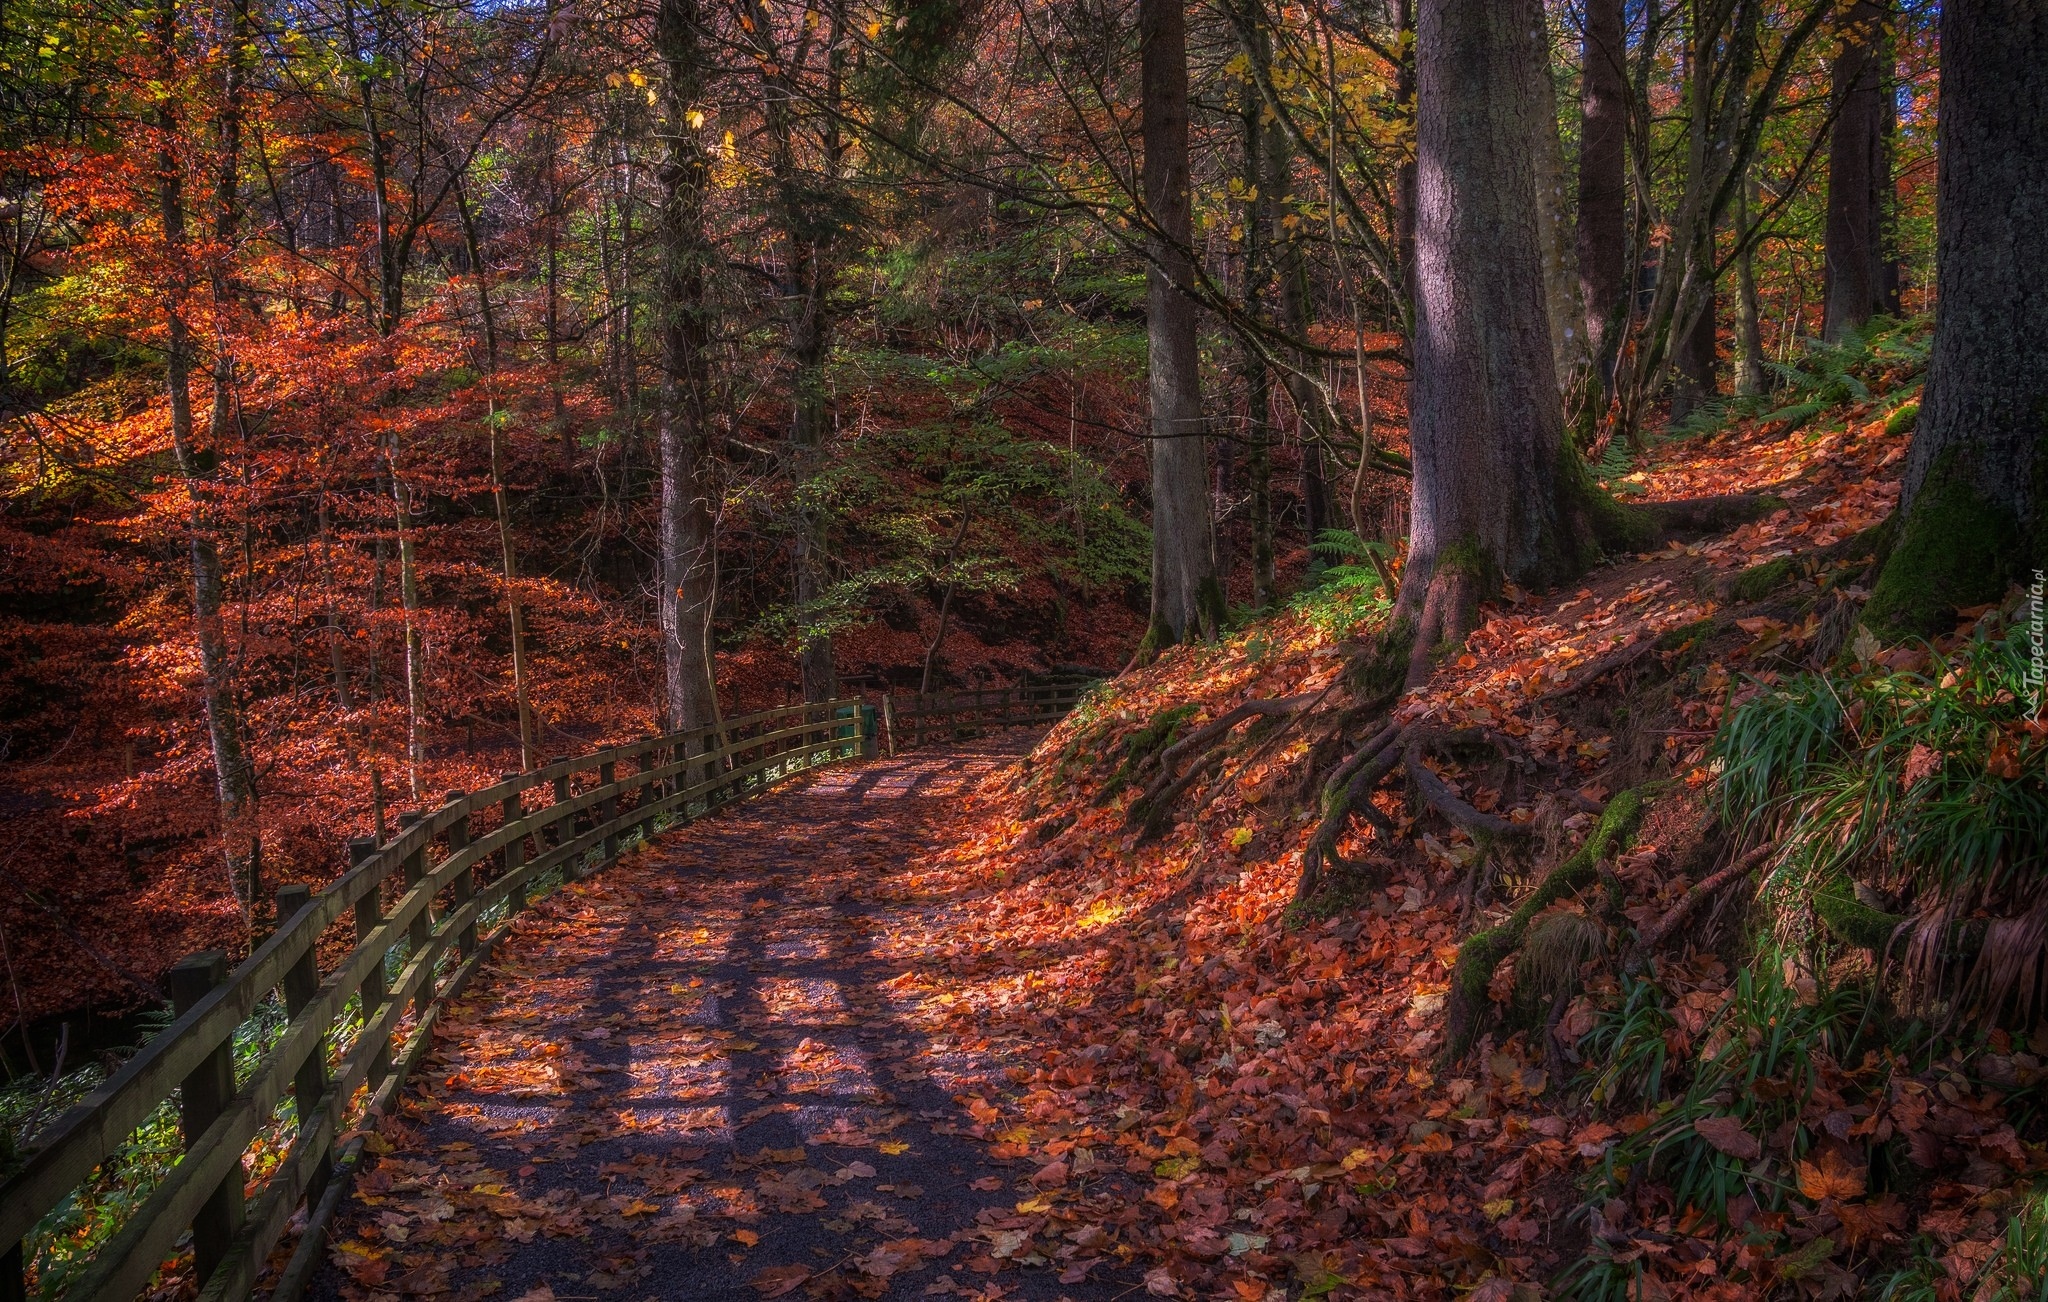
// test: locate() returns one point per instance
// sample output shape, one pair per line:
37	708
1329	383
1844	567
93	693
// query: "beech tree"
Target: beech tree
1971	512
1495	484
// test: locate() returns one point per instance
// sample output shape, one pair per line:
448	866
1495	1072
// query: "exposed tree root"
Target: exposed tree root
1170	783
1481	953
1143	748
1348	792
1649	942
1437	795
1218	727
1599	669
1155	808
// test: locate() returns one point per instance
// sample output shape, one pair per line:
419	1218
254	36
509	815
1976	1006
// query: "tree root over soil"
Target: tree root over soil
1210	746
1483	952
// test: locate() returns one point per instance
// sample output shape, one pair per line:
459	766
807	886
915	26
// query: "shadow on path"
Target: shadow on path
693	1077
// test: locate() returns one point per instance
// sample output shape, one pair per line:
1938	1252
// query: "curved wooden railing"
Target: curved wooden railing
425	907
910	721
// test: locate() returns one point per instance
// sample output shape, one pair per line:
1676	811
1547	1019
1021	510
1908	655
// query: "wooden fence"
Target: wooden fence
423	917
909	722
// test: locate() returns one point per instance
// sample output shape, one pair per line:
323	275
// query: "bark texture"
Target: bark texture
1186	598
1562	295
1493	494
1859	173
689	575
1693	353
1603	188
1970	517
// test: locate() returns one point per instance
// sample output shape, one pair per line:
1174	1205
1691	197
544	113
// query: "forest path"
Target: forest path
692	1076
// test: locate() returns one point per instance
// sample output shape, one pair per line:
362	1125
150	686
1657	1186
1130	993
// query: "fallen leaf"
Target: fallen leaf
1728	1135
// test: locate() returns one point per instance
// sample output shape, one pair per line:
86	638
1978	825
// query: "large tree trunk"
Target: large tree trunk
689	571
1495	484
1187	602
1603	188
1971	516
1858	175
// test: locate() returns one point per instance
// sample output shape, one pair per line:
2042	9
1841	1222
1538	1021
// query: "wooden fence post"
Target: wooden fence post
889	724
422	923
608	807
369	915
464	887
648	793
301	984
202	1097
515	849
564	824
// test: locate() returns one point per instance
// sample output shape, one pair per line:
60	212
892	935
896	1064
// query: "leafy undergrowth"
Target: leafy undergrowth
1745	1111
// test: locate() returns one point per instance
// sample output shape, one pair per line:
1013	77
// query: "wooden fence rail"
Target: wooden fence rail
423	911
908	722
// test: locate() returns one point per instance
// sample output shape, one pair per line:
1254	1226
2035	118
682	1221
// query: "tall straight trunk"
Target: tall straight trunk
415	641
390	305
515	616
1404	170
1749	334
551	302
1603	186
1972	516
380	554
234	777
1858	174
1311	416
1563	299
808	237
522	699
227	213
1495	489
1187	601
1256	221
689	486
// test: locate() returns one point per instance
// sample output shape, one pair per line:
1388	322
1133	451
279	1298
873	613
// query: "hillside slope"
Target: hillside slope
1275	1074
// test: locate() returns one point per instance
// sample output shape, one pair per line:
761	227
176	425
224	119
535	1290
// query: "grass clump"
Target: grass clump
1920	778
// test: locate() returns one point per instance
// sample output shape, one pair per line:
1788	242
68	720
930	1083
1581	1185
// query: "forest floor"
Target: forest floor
970	1023
697	1076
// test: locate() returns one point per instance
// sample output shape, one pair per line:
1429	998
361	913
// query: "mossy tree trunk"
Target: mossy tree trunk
1187	601
1970	518
1496	487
